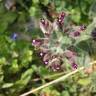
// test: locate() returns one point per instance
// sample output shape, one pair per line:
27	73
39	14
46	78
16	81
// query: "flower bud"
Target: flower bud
83	27
36	42
74	66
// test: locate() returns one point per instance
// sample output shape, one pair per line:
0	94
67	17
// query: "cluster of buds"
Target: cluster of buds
60	19
51	49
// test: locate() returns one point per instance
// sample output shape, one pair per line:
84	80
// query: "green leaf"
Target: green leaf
2	60
65	93
3	26
23	81
14	66
26	76
10	17
84	81
82	38
92	11
7	85
32	11
45	2
76	16
1	77
35	1
90	27
73	88
83	59
55	93
43	71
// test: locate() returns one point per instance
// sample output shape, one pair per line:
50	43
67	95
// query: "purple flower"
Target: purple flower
74	34
74	66
56	67
56	64
43	21
46	62
61	18
62	15
46	27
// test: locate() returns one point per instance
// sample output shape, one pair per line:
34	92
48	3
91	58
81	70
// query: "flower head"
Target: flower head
59	36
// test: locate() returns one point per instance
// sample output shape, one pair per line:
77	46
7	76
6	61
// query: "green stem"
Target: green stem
55	75
50	77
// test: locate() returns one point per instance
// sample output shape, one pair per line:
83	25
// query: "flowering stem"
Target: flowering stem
56	81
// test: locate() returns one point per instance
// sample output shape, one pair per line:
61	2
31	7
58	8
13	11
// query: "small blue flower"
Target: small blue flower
14	36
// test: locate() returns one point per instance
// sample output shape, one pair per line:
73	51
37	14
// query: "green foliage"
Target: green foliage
20	67
84	81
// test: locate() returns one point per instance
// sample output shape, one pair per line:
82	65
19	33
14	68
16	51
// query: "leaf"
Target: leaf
87	33
83	59
9	17
6	19
14	66
32	11
45	2
1	77
35	1
82	38
76	16
65	93
90	27
92	11
43	71
27	74
73	88
2	60
23	81
84	81
7	85
55	93
65	40
3	26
